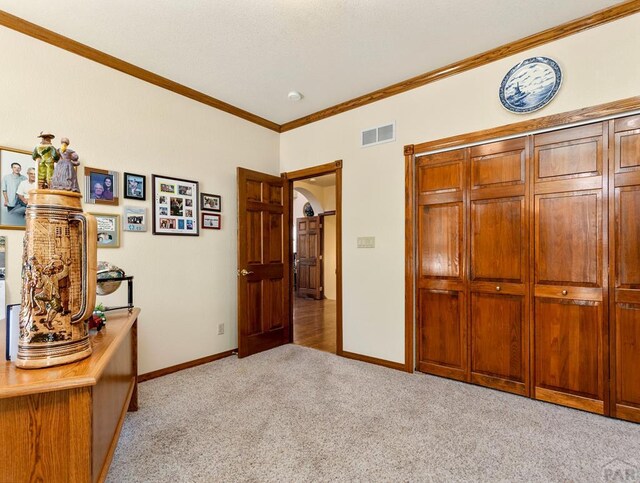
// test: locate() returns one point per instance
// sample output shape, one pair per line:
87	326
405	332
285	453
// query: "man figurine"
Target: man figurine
23	192
10	185
45	156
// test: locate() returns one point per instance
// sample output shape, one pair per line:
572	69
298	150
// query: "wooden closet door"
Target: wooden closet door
570	283
441	308
625	269
499	266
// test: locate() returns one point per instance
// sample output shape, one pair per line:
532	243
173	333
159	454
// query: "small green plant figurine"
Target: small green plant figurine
98	319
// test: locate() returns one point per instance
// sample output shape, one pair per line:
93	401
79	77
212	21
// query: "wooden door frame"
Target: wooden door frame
299	175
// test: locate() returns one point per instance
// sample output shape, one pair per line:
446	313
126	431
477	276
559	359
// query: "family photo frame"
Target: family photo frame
175	206
100	186
135	219
210	202
17	168
108	230
211	221
135	186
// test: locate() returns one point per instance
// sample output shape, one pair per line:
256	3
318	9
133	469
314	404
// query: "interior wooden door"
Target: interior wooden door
625	269
499	266
442	294
309	241
263	262
570	282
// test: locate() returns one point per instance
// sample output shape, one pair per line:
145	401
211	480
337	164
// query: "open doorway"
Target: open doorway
316	299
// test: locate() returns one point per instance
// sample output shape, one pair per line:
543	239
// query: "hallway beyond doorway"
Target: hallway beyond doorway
315	323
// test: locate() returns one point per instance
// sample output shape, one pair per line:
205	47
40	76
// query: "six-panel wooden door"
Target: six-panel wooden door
528	266
309	253
263	262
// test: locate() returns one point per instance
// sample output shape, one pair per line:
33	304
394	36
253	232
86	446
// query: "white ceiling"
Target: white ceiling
251	53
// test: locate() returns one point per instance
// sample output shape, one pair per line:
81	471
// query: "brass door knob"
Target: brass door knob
244	272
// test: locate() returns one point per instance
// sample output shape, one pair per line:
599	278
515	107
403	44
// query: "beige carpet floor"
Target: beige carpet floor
297	414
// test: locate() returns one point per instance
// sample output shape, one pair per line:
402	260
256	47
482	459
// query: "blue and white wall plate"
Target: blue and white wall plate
530	85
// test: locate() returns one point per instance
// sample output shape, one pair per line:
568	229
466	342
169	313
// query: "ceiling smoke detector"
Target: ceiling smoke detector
294	96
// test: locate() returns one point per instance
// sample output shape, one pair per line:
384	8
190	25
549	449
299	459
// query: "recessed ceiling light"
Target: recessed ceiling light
294	96
313	180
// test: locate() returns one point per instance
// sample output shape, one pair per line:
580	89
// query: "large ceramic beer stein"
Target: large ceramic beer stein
58	280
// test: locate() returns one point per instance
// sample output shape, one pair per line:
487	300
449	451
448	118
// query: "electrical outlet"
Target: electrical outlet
220	329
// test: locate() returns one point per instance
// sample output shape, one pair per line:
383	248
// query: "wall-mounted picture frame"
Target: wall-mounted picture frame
175	206
135	219
211	202
211	221
17	168
135	186
108	230
100	186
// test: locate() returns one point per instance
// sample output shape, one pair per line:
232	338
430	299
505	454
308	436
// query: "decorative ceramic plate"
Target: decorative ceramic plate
530	85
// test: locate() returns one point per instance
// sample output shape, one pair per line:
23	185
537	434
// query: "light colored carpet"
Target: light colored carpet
297	414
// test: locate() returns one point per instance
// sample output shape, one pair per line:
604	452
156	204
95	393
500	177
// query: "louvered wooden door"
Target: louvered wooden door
570	282
498	249
442	292
263	262
625	269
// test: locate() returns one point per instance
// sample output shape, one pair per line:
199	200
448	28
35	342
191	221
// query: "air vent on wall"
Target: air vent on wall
378	135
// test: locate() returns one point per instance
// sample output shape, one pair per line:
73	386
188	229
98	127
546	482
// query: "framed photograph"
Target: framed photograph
108	230
135	186
135	219
211	202
18	177
211	221
175	206
100	186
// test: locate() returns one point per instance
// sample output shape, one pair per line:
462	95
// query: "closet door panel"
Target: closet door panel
568	353
440	229
442	294
498	239
569	270
625	251
443	340
568	230
498	351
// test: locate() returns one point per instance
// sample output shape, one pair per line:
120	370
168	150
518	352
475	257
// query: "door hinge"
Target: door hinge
320	257
321	288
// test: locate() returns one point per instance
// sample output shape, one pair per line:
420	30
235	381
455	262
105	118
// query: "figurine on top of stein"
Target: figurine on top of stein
58	263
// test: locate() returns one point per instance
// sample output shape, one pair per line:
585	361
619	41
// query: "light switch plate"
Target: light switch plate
366	242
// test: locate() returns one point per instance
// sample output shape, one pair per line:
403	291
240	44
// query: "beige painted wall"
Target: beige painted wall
599	65
185	286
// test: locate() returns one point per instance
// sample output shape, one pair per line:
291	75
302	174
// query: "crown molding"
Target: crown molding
555	33
601	17
70	45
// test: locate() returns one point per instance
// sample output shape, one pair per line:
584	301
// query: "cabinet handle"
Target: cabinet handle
564	292
498	288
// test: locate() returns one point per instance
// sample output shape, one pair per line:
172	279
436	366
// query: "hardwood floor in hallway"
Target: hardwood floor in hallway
314	323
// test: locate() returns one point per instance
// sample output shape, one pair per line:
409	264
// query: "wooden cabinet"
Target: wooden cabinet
61	424
528	266
624	213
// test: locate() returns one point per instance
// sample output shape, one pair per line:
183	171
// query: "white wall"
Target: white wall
599	65
184	285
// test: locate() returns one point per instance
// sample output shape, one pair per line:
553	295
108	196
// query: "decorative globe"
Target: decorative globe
107	271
